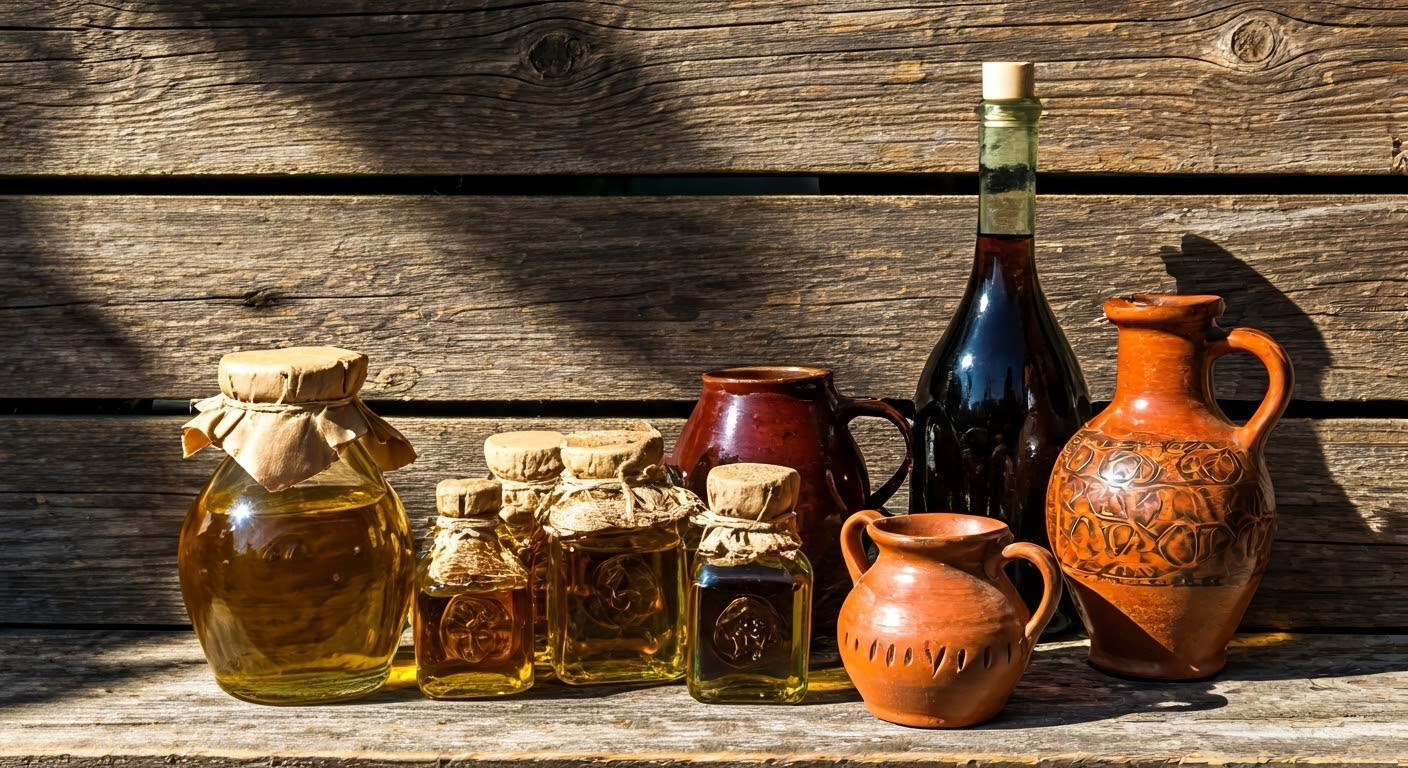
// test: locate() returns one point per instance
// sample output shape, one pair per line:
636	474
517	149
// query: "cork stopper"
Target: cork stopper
753	491
524	457
1003	80
604	454
458	497
292	375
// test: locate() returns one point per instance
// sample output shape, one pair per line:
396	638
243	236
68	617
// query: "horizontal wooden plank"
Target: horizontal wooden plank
663	87
632	298
143	698
90	510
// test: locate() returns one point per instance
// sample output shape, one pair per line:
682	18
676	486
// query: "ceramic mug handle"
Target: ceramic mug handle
1051	583
853	407
1279	373
852	548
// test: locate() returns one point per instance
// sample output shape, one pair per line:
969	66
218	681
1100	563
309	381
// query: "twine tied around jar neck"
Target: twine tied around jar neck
732	541
628	501
517	513
752	512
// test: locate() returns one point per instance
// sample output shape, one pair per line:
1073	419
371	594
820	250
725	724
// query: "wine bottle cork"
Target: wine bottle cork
1008	80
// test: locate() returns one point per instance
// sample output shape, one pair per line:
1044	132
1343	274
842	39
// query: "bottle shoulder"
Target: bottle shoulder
353	480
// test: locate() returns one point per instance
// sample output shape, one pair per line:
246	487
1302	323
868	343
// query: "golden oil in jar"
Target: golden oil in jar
616	595
296	557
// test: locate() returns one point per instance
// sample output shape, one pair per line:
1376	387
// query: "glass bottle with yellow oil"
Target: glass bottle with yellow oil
527	464
473	620
616	582
750	598
296	558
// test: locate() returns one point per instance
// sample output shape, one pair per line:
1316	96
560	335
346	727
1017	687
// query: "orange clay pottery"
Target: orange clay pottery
1160	509
934	634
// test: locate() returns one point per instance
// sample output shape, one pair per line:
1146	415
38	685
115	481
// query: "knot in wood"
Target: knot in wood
556	54
1254	41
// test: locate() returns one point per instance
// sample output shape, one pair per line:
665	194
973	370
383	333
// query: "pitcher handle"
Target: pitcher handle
1052	584
1279	372
852	548
853	407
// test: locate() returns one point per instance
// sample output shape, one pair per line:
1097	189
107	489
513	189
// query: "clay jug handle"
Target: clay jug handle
1051	582
1278	370
852	548
849	408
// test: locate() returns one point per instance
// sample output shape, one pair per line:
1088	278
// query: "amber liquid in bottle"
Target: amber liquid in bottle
1002	391
530	545
473	642
749	627
617	604
298	596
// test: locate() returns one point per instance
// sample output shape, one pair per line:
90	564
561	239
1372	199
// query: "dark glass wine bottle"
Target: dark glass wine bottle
1002	392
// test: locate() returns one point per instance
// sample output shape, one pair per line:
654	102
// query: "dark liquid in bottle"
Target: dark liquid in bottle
998	399
747	643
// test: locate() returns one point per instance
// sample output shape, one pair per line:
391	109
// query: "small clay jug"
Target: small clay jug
1160	509
934	635
793	416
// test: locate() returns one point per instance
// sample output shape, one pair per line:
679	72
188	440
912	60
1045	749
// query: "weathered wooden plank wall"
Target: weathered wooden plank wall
625	298
470	303
191	87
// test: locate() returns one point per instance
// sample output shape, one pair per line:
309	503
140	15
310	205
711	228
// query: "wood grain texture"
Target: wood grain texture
140	697
531	298
195	87
91	507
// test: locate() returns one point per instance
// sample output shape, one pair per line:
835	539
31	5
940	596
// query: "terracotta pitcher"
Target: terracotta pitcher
1160	509
934	635
794	417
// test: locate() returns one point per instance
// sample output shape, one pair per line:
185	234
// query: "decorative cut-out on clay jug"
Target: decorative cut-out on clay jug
1160	509
934	635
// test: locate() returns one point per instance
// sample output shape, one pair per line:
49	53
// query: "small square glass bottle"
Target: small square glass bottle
473	623
616	582
527	464
750	599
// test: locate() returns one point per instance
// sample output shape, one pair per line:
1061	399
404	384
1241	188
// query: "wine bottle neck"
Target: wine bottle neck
1007	166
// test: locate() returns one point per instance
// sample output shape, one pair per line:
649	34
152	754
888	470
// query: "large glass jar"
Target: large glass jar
296	559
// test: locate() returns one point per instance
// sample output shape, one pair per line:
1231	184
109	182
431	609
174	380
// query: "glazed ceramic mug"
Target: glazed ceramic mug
794	417
934	634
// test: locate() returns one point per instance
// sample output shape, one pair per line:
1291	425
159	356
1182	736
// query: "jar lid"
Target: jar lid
609	453
292	375
527	456
753	491
464	497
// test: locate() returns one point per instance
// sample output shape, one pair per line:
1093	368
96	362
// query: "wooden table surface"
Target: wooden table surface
147	698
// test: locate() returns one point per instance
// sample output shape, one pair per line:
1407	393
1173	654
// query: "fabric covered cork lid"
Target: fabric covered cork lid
525	457
609	453
284	414
753	491
292	375
458	497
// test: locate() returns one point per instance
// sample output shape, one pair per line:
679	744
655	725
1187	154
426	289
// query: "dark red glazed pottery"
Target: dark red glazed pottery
793	416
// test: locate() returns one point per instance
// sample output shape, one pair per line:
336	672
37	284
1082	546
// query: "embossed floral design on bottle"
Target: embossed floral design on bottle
750	599
1160	509
527	464
616	577
473	609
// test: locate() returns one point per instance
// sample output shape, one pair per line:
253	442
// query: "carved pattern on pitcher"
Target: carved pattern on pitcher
1187	513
